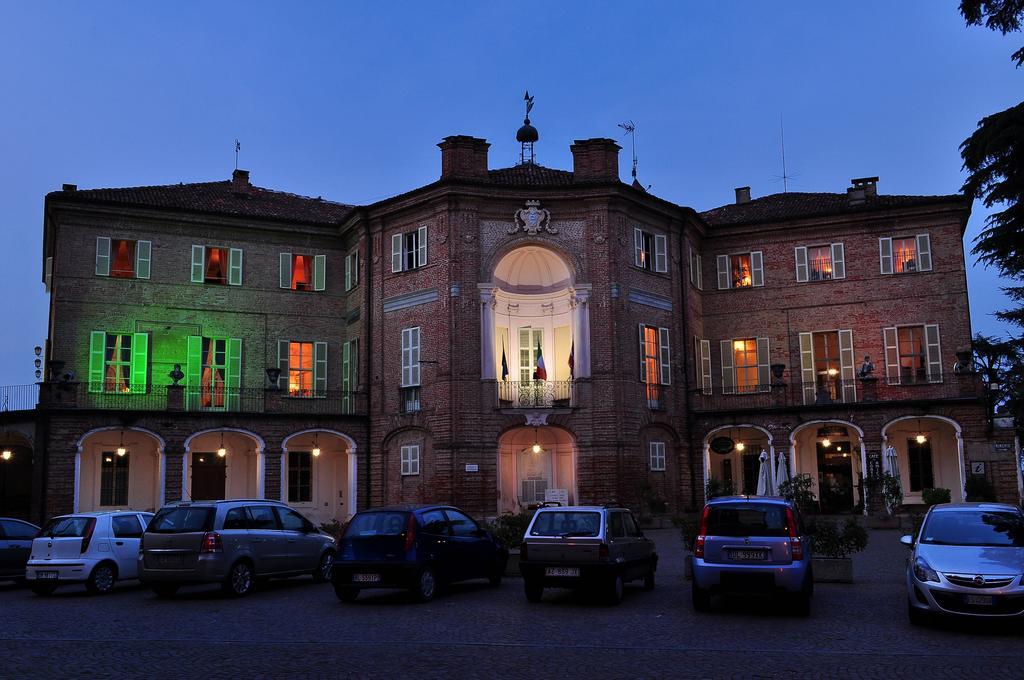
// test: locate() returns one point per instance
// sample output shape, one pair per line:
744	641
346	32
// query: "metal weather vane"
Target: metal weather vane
238	147
529	104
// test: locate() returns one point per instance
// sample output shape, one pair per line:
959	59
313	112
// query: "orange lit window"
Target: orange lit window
651	365
117	363
122	254
216	266
300	369
744	360
819	262
302	272
904	255
741	273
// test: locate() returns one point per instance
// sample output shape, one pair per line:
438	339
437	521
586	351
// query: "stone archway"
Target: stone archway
535	464
223	463
832	453
119	468
930	453
319	474
735	472
16	462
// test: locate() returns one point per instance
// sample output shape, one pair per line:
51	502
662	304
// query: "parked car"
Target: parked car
94	548
752	545
966	561
594	547
15	545
233	543
418	547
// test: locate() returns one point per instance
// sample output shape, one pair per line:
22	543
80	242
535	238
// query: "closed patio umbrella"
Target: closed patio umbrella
892	467
764	476
781	471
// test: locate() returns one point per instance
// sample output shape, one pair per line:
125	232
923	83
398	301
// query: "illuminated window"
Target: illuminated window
215	266
409	250
117	363
300	369
912	354
655	369
113	479
904	255
122	255
819	261
744	358
122	258
214	367
827	369
302	272
650	251
741	272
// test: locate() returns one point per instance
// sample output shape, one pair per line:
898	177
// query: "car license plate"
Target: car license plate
562	571
980	599
748	555
46	575
170	562
365	578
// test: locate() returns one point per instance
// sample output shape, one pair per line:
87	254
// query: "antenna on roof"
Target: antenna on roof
630	129
238	147
785	177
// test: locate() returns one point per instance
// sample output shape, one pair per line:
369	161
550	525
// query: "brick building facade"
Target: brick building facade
502	336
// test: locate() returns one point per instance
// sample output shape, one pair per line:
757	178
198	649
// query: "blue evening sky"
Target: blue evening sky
347	101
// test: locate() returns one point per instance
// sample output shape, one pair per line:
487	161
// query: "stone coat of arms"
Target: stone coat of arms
532	219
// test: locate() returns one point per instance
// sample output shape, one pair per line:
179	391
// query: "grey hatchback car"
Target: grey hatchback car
233	543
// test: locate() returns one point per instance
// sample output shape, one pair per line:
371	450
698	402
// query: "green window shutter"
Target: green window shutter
846	368
421	260
282	363
319	272
198	262
193	371
143	259
346	376
102	256
97	345
396	253
235	267
233	375
286	270
728	372
320	369
807	366
140	362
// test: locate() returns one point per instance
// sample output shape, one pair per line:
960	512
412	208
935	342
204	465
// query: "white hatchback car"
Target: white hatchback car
94	548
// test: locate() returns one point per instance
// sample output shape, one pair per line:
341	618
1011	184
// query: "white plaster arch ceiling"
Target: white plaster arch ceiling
349	441
902	419
161	444
531	270
725	428
260	444
819	423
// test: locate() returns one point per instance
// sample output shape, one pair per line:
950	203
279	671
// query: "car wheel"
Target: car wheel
347	595
43	589
534	590
615	588
497	571
701	599
917	617
649	578
240	579
166	589
325	569
426	585
101	580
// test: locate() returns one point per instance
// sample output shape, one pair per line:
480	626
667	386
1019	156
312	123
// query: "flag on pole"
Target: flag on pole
504	362
541	372
572	361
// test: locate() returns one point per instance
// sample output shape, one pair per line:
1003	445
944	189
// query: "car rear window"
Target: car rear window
747	519
377	524
566	523
181	521
987	529
66	527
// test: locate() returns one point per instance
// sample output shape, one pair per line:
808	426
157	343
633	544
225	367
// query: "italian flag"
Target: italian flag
541	372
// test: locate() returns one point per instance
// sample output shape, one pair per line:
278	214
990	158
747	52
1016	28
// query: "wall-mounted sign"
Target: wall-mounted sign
1001	447
472	467
977	467
722	445
560	496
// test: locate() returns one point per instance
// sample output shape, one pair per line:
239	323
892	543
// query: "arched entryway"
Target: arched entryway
535	464
119	467
223	463
732	458
15	475
930	453
318	474
831	453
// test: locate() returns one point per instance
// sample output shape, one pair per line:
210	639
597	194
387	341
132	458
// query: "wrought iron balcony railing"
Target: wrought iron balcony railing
536	394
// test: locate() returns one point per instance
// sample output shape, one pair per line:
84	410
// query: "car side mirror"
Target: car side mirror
907	540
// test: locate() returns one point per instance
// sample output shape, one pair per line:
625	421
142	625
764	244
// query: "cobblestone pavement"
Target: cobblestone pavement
295	629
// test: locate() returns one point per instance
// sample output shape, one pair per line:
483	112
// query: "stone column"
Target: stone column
487	305
581	331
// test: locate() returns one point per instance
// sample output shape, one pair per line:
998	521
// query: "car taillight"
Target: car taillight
795	544
87	536
522	552
211	543
410	533
602	551
698	545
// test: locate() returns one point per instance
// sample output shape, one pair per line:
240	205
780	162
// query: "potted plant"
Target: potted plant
799	490
510	529
935	496
832	544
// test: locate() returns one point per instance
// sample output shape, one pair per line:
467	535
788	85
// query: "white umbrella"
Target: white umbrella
781	471
892	467
764	476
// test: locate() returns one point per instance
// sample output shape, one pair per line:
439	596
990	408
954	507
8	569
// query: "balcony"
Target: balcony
61	395
18	397
810	395
536	393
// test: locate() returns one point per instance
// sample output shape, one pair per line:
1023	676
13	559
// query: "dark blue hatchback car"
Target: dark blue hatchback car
418	547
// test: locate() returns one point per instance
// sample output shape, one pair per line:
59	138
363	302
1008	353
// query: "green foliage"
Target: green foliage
978	488
716	487
1004	16
935	496
835	539
651	502
798	489
890	489
510	527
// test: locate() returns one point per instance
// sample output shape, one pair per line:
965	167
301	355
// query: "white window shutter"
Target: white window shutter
283	353
756	268
143	259
319	272
838	261
728	372
723	272
700	274
764	376
285	260
198	263
415	354
406	361
48	274
846	366
924	253
396	253
348	272
421	260
934	350
705	366
102	256
320	369
892	355
235	267
643	356
355	269
665	356
801	264
638	247
885	254
807	367
660	253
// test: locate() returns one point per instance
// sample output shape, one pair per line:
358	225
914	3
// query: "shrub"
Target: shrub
798	489
978	488
832	539
334	528
890	488
716	487
510	527
688	526
935	496
651	501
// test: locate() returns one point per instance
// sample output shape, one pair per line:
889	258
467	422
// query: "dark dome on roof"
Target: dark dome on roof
527	133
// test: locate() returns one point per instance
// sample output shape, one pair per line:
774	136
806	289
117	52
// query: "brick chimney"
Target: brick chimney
595	159
463	156
240	180
68	188
742	195
868	184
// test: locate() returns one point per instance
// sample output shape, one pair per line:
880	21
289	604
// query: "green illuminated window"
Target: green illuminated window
213	373
118	362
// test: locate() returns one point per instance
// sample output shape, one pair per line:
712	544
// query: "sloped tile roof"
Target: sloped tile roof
531	175
221	198
796	205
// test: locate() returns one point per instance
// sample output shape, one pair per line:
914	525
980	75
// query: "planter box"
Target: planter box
512	568
883	522
832	569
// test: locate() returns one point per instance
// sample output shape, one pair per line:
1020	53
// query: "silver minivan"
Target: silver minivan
233	543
